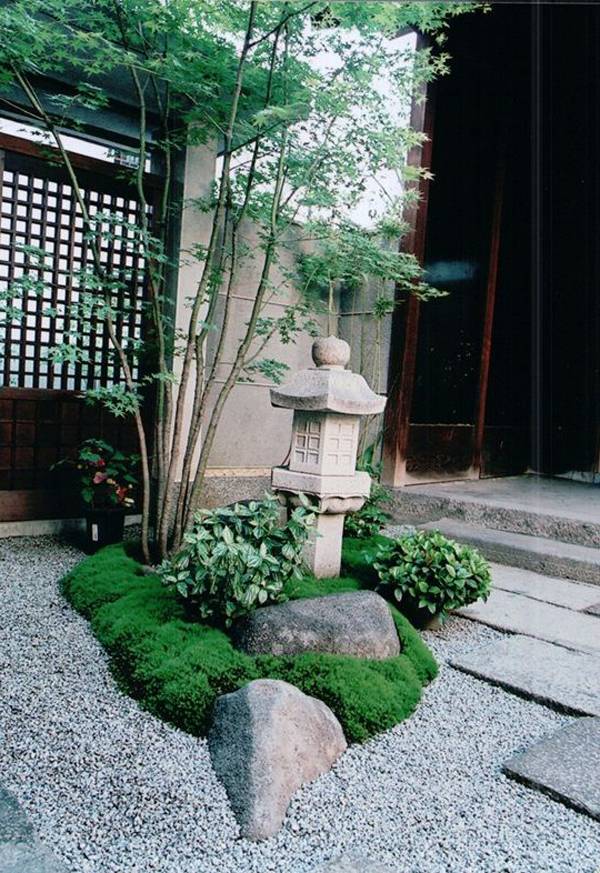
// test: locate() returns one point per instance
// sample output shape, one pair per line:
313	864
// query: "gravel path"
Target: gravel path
110	788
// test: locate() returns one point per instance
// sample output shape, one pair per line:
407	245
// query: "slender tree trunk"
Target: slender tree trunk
189	355
244	346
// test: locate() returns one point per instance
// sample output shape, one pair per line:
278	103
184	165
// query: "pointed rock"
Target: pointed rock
267	740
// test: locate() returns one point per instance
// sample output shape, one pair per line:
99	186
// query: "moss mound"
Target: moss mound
176	667
358	556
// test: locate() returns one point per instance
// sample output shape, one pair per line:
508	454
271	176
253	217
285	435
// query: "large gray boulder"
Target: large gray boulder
358	623
267	740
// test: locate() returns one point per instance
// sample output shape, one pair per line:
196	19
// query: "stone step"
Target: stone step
562	592
518	614
546	556
563	679
565	765
552	508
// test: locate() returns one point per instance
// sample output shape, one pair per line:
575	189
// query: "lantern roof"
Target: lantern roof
328	387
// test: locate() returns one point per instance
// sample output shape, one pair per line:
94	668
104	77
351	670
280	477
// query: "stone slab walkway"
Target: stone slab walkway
566	766
555	659
564	679
545	621
560	592
554	508
20	851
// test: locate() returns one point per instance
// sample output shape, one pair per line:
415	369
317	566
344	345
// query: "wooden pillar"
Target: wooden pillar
405	320
488	319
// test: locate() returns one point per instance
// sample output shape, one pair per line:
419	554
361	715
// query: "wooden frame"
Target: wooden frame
43	419
405	320
488	319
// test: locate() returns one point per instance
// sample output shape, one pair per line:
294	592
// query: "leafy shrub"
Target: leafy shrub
427	571
237	558
177	667
368	521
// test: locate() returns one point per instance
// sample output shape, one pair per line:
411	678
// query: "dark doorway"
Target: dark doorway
515	145
567	293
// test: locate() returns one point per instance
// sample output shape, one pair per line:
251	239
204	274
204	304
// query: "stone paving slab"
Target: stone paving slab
549	674
547	556
522	615
565	765
560	592
14	826
20	851
354	865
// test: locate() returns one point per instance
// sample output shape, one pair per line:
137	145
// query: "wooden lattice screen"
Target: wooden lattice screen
41	212
42	416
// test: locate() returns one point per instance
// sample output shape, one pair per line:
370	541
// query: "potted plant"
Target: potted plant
107	479
429	575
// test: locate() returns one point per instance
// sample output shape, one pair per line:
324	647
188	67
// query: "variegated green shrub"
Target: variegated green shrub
237	558
427	571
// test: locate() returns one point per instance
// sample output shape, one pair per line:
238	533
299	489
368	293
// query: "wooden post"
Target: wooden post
488	320
405	320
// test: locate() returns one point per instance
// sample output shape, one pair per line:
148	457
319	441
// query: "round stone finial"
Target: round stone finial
331	352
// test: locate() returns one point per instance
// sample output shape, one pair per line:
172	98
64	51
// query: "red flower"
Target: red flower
99	478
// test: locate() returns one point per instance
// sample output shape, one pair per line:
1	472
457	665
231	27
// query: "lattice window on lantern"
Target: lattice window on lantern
340	445
307	443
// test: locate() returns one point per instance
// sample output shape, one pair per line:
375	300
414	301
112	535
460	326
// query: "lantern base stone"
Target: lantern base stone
357	484
331	498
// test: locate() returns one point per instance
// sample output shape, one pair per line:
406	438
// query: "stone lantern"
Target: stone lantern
328	402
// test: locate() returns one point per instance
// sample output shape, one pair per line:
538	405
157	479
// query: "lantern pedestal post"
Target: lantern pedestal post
323	551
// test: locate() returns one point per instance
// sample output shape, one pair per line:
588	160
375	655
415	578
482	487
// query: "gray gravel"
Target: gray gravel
110	788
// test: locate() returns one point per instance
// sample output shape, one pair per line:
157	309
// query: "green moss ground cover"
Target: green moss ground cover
176	667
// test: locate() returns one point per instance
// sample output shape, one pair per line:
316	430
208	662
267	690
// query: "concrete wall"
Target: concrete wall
252	435
370	341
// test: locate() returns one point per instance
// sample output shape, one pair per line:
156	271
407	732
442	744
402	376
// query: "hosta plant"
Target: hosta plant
368	521
237	558
426	571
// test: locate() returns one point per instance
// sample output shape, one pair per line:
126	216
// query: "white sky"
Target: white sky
372	205
34	134
374	200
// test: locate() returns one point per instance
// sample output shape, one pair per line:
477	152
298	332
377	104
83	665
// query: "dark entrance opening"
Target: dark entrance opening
514	210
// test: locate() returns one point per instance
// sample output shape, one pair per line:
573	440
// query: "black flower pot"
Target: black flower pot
420	617
104	527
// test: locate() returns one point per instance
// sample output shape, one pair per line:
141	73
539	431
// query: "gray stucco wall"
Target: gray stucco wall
252	436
